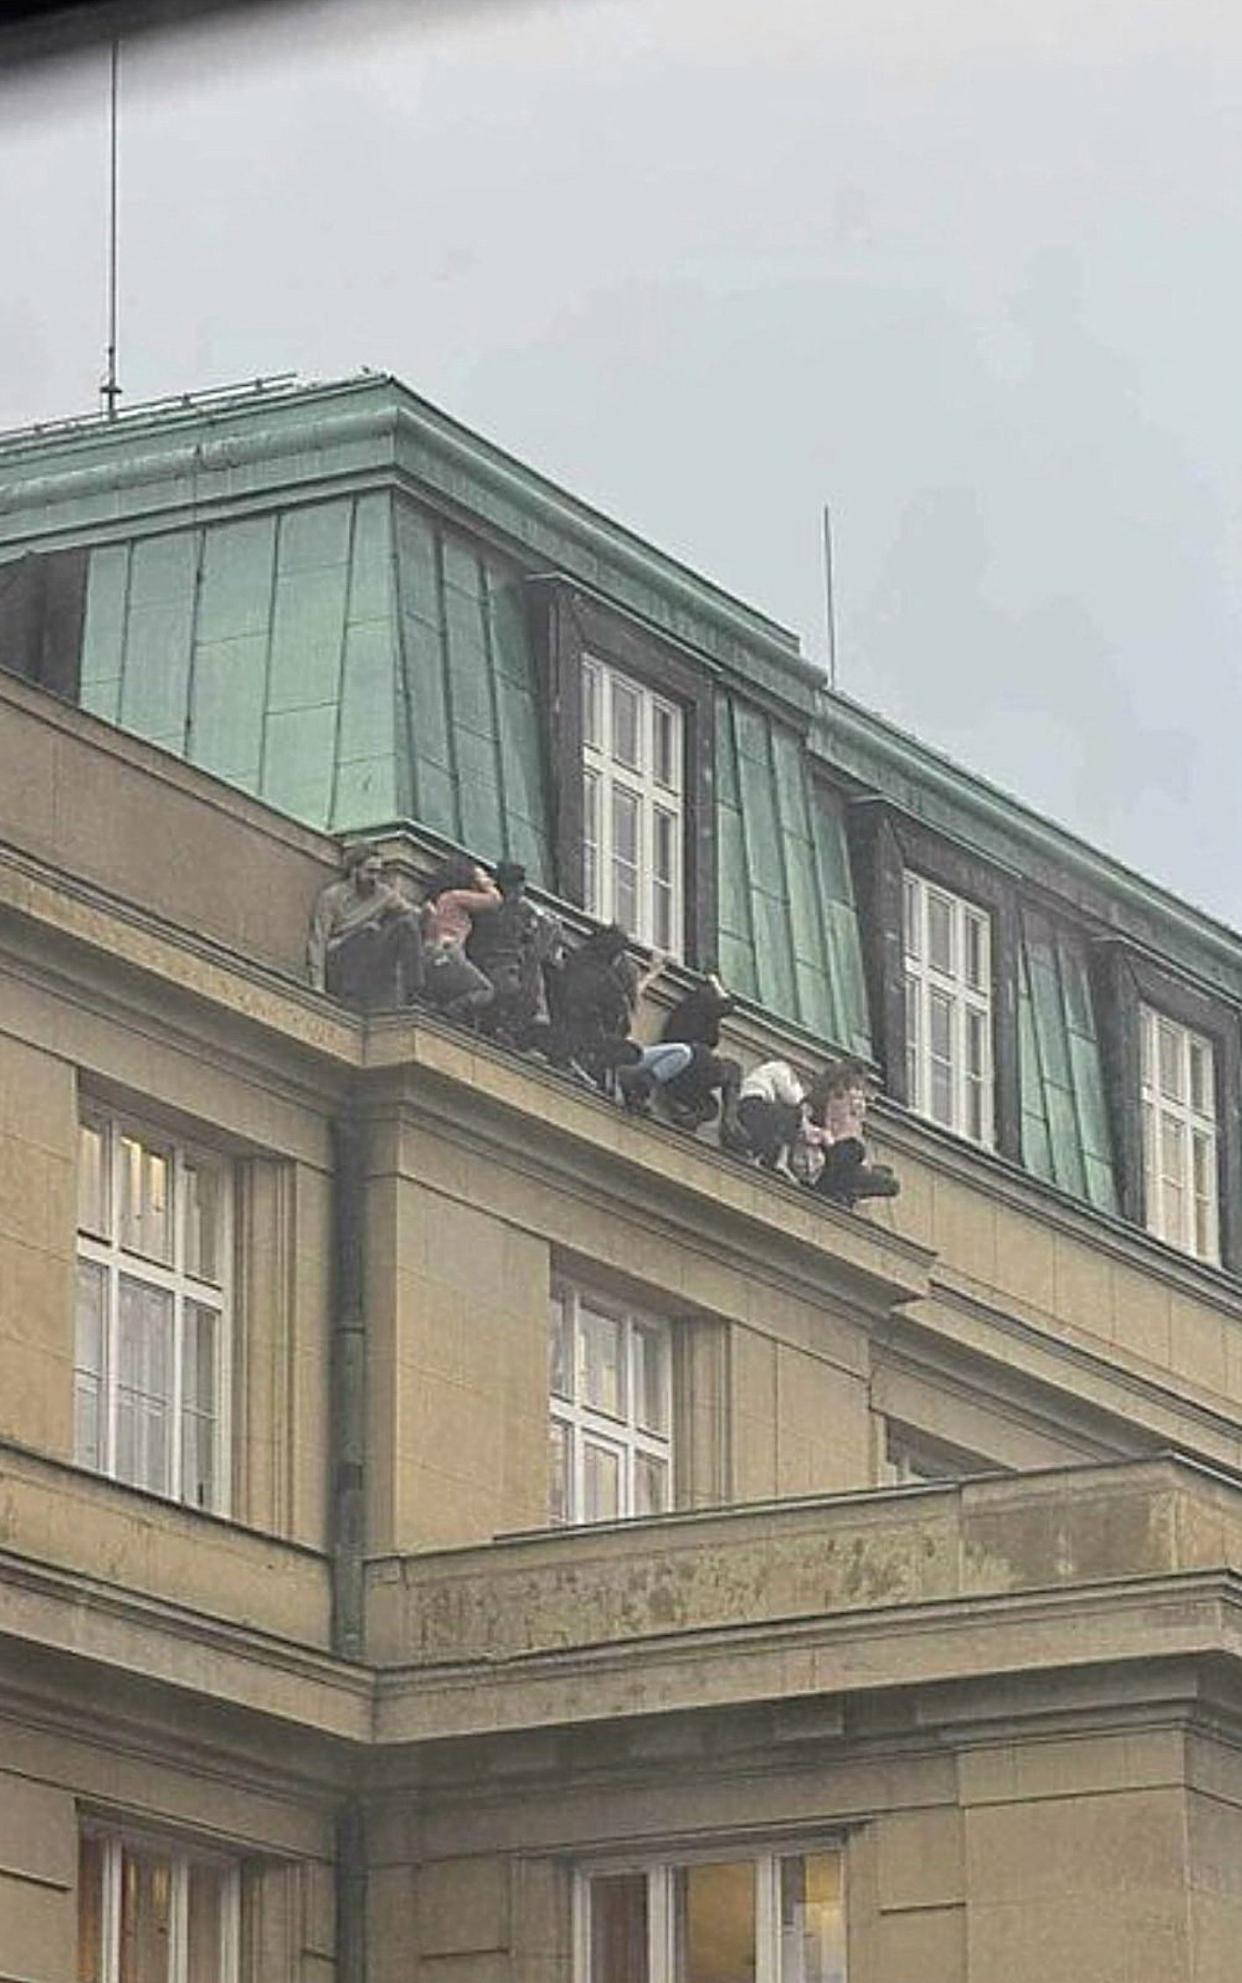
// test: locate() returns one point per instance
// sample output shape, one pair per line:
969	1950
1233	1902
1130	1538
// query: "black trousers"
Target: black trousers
378	966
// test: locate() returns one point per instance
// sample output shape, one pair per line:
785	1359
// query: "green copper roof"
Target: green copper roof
1064	1119
787	922
349	661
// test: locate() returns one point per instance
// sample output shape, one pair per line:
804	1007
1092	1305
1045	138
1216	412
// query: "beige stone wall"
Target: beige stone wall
1130	1304
38	1881
54	1052
38	1139
460	1257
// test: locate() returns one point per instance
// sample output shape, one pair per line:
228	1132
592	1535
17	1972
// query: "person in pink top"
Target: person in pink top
832	1154
454	895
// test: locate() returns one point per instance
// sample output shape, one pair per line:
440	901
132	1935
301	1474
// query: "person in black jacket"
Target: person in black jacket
708	1087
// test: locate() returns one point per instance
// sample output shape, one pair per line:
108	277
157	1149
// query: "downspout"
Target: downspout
348	1422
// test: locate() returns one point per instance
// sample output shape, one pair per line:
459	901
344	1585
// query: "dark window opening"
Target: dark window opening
42	606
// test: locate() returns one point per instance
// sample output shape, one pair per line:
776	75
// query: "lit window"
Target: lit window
1179	1136
152	1912
151	1376
948	983
610	1453
773	1918
632	807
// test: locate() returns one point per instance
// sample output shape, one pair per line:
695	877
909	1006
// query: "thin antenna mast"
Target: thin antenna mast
110	391
830	613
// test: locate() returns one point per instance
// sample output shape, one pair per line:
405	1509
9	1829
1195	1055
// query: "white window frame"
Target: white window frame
114	1843
655	787
620	1433
105	1251
960	990
661	1874
1180	1115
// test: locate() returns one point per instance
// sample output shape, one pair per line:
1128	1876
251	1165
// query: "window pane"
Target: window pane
146	1918
146	1200
590	843
650	1376
941	1043
1169	1054
626	727
976	952
205	1924
812	1920
619	1935
716	1923
603	1373
561	1347
1173	1179
914	1044
92	1179
939	932
559	1499
1202	1100
913	937
664	727
601	1483
626	829
89	1353
144	1386
200	1391
665	851
1203	1157
90	1910
650	1485
204	1220
590	704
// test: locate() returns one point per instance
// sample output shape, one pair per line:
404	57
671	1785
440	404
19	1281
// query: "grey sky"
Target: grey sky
970	272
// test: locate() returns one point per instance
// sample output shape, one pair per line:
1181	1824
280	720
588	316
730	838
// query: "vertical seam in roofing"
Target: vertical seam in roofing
782	851
334	772
187	724
269	644
493	697
744	838
446	678
407	790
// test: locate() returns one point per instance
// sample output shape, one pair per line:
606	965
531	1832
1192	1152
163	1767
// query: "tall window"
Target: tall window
765	1918
610	1451
948	975
152	1912
632	780
153	1341
1179	1136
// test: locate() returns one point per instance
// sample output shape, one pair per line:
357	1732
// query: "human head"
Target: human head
364	865
510	877
458	871
844	1077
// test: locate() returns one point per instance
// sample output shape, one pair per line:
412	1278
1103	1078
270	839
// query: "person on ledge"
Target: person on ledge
708	1083
595	995
365	945
832	1138
455	893
771	1107
513	946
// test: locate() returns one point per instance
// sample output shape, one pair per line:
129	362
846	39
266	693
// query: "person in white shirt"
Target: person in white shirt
770	1112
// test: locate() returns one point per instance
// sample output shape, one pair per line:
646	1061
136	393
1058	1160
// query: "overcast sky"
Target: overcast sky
969	272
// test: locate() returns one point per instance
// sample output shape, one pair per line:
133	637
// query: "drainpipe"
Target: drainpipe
348	1434
349	1346
351	1894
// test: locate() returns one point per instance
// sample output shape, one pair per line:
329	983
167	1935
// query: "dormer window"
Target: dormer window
633	777
948	993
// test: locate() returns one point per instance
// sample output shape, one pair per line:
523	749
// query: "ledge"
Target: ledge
871	1556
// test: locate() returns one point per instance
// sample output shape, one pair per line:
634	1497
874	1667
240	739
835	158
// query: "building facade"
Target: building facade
452	1531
